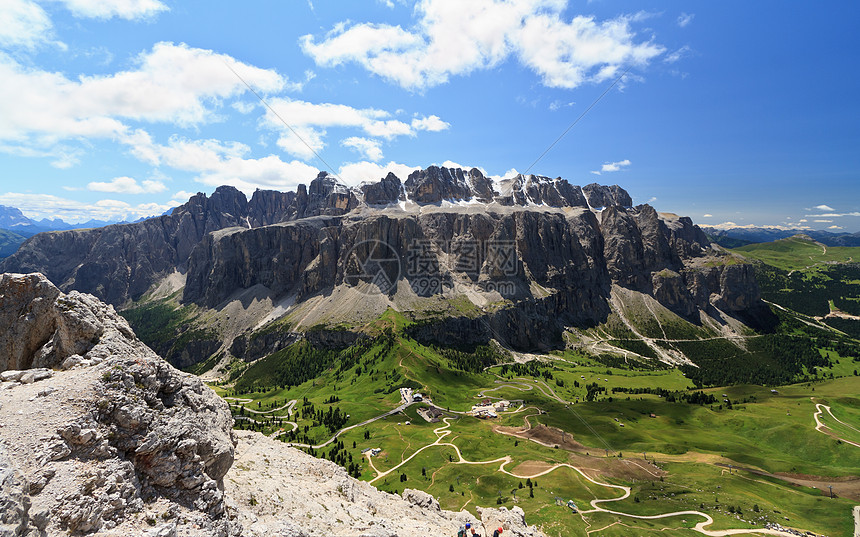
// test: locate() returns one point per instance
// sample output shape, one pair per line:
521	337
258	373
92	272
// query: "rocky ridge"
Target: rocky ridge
443	233
117	442
119	263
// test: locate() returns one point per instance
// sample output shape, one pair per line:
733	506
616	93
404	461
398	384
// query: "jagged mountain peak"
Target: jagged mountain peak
568	246
326	195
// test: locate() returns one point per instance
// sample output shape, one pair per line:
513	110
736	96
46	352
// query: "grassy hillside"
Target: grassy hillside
797	274
649	429
798	252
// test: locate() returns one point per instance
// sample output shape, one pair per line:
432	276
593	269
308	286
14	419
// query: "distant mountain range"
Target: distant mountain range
15	228
740	236
12	219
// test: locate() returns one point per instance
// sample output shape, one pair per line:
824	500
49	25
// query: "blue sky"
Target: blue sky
743	112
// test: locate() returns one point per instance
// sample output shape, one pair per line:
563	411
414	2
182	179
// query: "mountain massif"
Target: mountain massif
521	259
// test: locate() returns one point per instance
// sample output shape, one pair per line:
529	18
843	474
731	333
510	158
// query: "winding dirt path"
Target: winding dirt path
363	423
443	432
242	402
822	428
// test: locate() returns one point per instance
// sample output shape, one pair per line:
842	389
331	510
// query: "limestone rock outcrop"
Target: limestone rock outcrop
119	437
606	196
384	192
42	327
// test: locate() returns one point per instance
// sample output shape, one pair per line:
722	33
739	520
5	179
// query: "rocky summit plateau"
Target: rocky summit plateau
522	261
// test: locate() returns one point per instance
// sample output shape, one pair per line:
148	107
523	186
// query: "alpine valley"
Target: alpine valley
520	353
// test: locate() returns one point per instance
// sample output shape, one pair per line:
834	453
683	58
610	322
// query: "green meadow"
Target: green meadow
612	418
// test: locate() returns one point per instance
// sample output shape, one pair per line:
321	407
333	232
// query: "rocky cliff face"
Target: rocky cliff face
545	250
118	263
118	442
552	268
42	327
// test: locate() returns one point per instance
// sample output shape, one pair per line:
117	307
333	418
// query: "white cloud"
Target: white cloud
732	225
127	185
835	227
431	123
39	206
706	215
182	195
310	120
247	175
452	164
43	112
218	163
243	108
833	215
823	221
823	207
685	18
64	155
64	160
610	167
171	83
674	56
369	149
356	173
107	9
803	220
558	104
302	142
513	172
23	24
452	37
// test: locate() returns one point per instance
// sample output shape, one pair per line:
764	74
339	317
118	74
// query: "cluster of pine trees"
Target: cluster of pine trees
671	396
808	292
471	360
770	360
340	456
533	368
333	419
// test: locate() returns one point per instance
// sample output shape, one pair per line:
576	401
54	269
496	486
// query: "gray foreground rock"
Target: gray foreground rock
280	491
116	443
